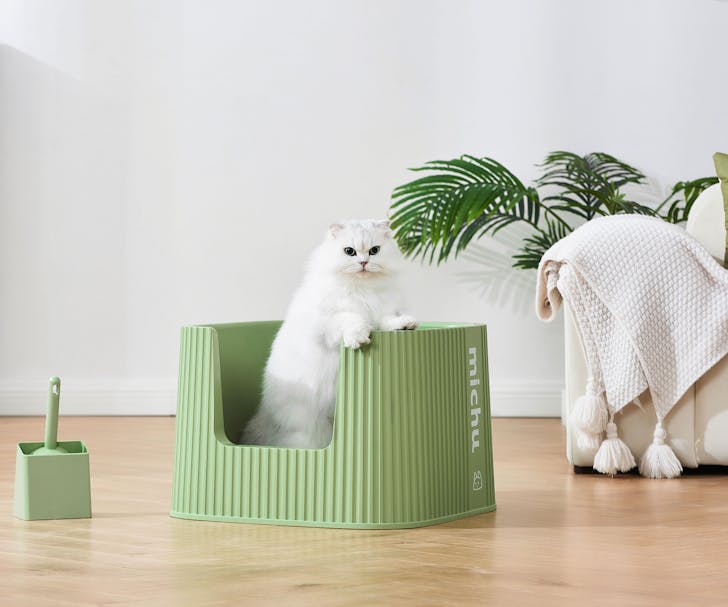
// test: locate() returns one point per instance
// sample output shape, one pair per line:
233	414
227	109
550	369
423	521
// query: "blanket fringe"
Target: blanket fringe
613	455
659	460
589	413
588	441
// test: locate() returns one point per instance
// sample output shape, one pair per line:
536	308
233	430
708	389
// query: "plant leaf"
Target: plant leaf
438	214
683	196
589	185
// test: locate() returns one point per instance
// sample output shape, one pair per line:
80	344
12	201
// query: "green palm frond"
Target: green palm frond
535	245
466	198
458	200
683	196
589	185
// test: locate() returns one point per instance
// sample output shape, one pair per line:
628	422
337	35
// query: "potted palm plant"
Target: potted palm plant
459	201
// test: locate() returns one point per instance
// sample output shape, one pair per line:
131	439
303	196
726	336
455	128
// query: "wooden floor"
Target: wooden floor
556	538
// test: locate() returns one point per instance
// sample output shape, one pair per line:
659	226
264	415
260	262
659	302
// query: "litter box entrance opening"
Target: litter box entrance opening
243	351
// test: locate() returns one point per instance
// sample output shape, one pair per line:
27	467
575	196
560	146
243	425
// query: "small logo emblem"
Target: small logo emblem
477	481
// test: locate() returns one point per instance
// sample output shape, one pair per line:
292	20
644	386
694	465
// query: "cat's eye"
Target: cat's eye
373	250
350	251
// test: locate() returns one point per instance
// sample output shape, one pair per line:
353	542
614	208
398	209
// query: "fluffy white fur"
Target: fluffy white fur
343	297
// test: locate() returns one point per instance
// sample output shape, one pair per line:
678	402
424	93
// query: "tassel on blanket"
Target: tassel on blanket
589	414
613	455
587	441
659	460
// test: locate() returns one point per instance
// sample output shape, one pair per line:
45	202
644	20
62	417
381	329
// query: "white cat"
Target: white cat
348	290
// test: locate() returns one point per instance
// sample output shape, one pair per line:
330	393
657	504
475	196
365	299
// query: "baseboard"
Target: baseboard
92	397
159	397
526	399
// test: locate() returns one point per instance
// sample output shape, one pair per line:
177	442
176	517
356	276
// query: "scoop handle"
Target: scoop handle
51	428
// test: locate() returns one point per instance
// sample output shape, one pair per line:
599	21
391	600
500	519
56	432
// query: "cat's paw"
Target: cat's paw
402	322
407	323
355	337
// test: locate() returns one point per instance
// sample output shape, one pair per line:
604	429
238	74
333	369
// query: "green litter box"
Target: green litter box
411	444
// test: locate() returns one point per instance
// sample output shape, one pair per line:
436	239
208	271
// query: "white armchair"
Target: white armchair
698	424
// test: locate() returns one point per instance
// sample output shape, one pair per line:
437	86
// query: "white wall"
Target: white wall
165	163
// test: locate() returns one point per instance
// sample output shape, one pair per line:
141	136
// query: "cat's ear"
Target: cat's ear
335	228
383	224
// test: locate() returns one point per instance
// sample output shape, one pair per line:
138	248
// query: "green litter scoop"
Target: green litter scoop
52	478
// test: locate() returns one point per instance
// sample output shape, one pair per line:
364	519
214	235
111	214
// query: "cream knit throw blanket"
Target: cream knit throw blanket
651	307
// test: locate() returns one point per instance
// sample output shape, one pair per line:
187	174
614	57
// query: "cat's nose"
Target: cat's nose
363	264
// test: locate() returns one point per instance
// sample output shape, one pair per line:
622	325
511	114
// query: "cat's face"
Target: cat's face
361	249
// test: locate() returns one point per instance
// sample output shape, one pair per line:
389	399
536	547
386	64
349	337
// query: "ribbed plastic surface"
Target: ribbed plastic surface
411	444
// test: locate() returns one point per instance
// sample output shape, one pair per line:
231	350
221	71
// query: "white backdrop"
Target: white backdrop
173	162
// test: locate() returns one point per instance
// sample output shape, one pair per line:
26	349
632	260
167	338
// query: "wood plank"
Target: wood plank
556	538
